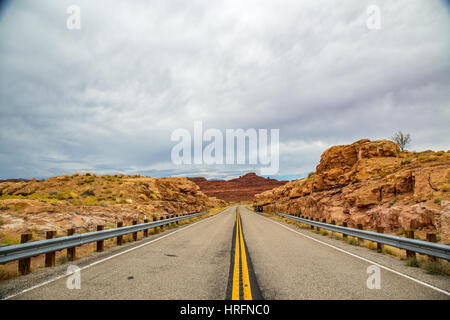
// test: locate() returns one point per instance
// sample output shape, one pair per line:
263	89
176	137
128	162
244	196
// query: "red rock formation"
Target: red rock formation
239	189
374	184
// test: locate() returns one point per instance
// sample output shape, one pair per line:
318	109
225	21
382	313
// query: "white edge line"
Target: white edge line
107	258
367	260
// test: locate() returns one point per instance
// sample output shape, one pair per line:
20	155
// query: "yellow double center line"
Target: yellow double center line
239	247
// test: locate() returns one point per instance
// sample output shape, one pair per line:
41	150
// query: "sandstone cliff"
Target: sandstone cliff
86	200
239	189
372	183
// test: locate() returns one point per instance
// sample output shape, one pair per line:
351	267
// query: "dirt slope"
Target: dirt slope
86	200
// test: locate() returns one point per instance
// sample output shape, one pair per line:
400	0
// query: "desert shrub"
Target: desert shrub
440	153
4	208
445	188
10	240
353	241
436	267
372	245
62	259
143	197
61	196
437	200
412	262
90	179
88	193
5	274
406	161
76	202
91	201
389	251
421	158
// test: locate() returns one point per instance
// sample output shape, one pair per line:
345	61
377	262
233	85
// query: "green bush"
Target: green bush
412	262
435	267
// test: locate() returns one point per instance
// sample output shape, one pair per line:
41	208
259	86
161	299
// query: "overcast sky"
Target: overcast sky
107	97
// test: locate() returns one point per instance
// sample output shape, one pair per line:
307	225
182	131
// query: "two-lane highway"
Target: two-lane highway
236	254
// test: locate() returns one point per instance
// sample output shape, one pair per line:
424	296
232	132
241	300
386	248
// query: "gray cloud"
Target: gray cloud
107	97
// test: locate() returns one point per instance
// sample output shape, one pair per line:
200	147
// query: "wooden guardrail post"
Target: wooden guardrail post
119	239
317	220
100	243
380	245
310	226
25	264
176	216
50	256
333	222
431	237
344	224
71	252
410	234
134	233
156	229
360	227
145	230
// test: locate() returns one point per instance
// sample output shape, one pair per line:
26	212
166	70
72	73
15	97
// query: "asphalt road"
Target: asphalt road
199	262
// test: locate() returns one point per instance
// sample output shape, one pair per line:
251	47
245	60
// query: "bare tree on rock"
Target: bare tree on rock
401	139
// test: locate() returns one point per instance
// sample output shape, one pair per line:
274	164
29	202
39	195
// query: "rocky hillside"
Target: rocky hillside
86	200
372	183
239	189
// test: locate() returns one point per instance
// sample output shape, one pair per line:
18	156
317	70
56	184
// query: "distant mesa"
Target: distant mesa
238	189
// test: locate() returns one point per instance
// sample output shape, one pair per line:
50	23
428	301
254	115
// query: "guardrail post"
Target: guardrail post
431	237
134	233
71	252
146	230
50	256
344	224
317	219
410	254
156	229
176	216
311	226
119	239
25	264
100	243
380	245
360	227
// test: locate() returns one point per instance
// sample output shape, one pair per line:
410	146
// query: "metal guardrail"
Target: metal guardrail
419	246
35	248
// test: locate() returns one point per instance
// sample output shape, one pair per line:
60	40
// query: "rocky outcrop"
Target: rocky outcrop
86	200
239	189
374	184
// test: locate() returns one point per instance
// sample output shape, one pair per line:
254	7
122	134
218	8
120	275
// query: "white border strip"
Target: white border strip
108	258
364	259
